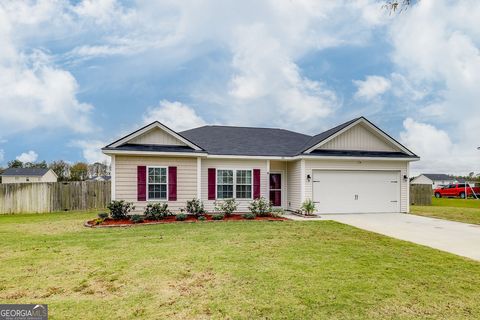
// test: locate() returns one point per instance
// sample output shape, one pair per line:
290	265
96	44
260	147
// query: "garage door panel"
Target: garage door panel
356	191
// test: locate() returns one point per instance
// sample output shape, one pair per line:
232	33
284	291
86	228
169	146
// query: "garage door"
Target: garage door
356	191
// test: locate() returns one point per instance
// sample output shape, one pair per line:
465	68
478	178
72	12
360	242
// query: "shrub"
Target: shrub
218	216
181	217
249	216
156	211
227	207
136	218
103	215
308	207
201	218
261	207
120	209
195	206
97	221
277	212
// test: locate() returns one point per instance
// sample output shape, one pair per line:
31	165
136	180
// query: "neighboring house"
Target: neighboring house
436	180
100	178
354	167
28	175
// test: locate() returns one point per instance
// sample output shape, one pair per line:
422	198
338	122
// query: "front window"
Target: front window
157	183
225	184
244	184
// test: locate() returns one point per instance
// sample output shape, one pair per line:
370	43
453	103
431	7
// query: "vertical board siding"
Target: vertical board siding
157	136
53	196
126	179
401	166
359	138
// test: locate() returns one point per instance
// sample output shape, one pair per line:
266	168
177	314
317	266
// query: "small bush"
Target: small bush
218	216
261	207
97	221
136	218
156	211
227	207
181	217
103	215
120	209
202	218
195	206
277	212
308	207
249	216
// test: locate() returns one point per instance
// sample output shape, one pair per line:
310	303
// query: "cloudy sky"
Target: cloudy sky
75	75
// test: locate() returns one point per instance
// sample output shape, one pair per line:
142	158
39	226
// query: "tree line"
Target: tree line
65	171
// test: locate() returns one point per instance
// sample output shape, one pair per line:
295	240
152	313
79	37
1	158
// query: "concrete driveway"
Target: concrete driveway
454	237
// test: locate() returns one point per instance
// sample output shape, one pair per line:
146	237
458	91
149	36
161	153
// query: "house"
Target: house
352	168
436	180
99	178
28	175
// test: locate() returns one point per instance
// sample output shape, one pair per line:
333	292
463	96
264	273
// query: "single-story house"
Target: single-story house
354	167
28	175
436	180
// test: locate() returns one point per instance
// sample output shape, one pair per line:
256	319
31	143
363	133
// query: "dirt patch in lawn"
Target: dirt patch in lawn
172	219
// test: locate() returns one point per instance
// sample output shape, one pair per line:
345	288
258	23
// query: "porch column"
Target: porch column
268	181
199	178
302	180
112	177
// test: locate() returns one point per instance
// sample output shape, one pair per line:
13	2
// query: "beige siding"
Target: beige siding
359	137
233	164
294	201
401	166
157	136
126	179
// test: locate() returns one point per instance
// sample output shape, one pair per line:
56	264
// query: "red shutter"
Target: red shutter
172	183
212	181
256	183
141	183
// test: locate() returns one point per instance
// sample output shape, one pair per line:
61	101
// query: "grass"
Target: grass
461	210
233	270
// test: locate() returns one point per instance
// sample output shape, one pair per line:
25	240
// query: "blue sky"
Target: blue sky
76	75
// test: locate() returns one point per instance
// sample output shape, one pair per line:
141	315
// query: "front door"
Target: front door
276	189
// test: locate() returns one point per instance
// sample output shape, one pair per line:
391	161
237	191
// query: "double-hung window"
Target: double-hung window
157	183
244	184
234	184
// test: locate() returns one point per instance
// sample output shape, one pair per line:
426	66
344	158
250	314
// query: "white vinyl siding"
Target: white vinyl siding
126	179
359	137
294	201
157	136
49	176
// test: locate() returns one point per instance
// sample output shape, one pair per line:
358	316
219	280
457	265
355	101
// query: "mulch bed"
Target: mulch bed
171	219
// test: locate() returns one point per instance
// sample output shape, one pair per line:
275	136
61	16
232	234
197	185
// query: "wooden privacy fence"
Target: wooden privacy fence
57	196
421	194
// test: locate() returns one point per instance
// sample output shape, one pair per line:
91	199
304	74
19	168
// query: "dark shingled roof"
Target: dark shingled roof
247	141
356	153
437	176
24	172
152	147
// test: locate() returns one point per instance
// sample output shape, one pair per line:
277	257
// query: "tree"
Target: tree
61	169
40	165
15	164
79	171
98	169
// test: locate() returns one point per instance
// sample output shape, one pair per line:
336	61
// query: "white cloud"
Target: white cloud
91	150
2	156
174	115
371	87
30	156
35	93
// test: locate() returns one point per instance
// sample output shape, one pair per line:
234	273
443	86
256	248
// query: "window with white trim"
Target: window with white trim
244	184
157	183
225	184
234	184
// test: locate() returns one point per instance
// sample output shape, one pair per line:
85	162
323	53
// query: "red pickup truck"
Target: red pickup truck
456	190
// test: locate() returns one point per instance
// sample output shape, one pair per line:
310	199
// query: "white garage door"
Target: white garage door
356	191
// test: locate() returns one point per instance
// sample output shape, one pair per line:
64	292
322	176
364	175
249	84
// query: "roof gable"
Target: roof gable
359	135
154	134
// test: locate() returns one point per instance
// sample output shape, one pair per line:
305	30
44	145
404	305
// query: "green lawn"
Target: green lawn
461	210
236	270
